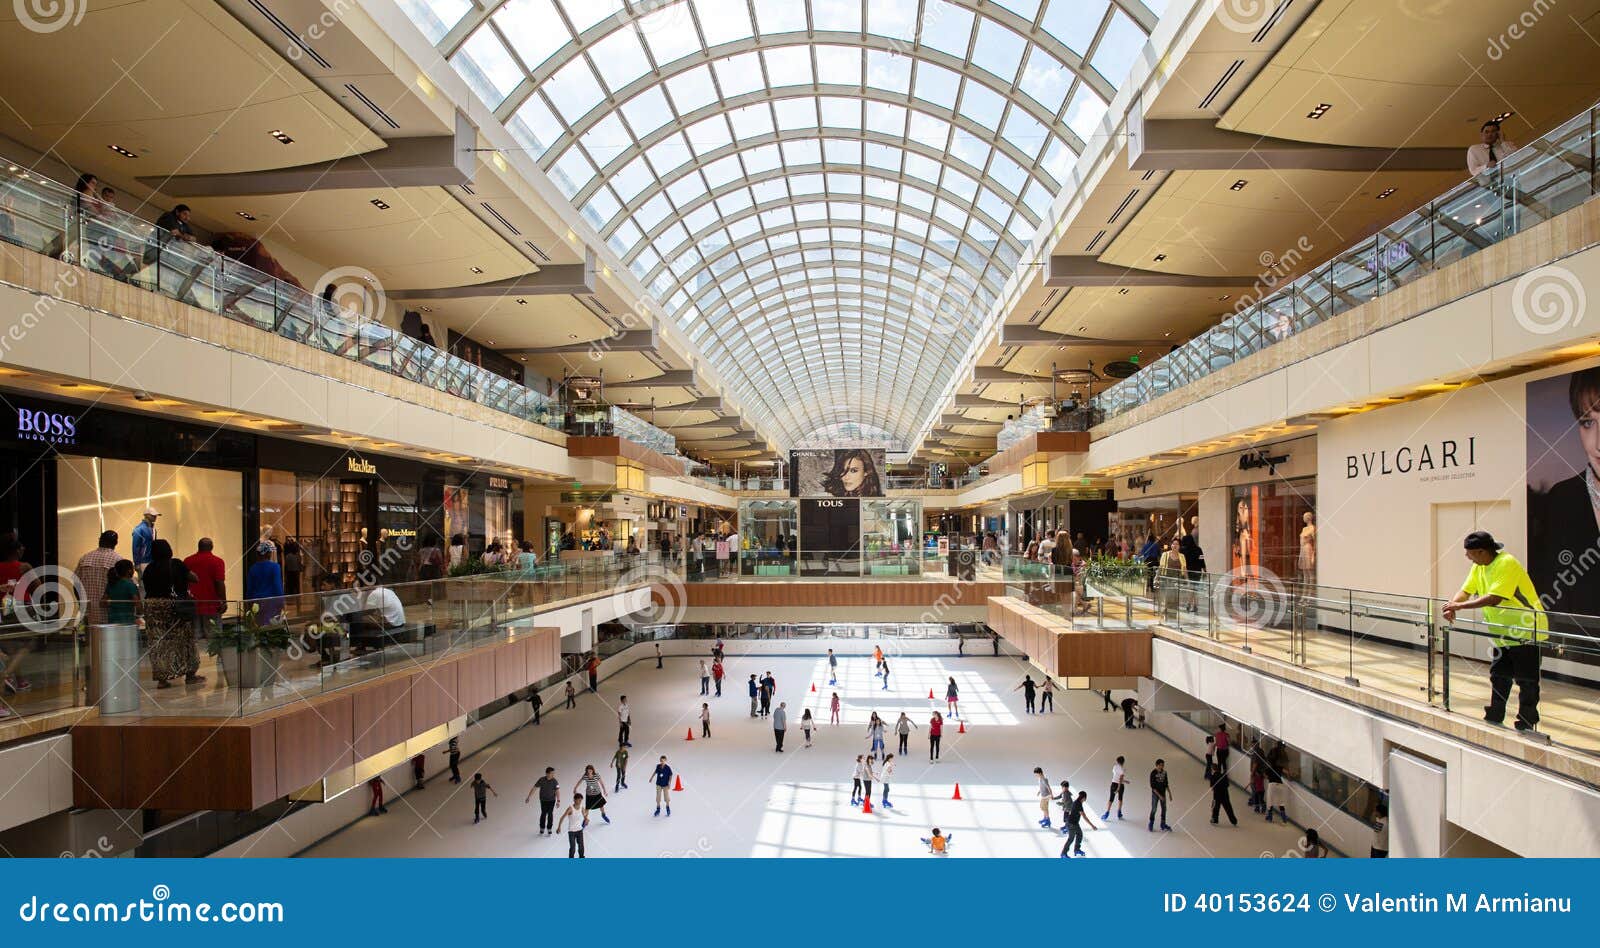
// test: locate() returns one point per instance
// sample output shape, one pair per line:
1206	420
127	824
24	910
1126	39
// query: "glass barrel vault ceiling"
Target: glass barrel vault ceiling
827	195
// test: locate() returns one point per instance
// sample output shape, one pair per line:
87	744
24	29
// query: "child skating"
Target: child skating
480	797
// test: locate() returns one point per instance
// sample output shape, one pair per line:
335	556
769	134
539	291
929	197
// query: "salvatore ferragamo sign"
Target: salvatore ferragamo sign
1447	454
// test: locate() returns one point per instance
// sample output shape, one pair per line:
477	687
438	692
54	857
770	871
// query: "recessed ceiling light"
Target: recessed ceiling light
1224	297
1160	257
524	358
281	137
427	309
378	203
1123	292
246	215
122	151
572	335
1502	116
476	269
1386	192
1238	185
522	302
1321	110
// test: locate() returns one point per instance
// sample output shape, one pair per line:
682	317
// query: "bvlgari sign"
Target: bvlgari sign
1431	458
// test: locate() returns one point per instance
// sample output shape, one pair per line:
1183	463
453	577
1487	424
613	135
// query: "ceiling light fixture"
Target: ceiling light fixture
122	151
476	269
246	215
1123	292
1386	192
281	137
1502	116
1160	257
1321	110
378	203
1238	185
522	302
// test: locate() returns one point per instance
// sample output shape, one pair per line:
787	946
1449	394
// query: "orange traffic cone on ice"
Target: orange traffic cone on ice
813	687
930	694
958	792
689	736
866	804
962	729
678	785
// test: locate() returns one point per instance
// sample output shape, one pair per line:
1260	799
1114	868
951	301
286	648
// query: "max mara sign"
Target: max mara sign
1445	454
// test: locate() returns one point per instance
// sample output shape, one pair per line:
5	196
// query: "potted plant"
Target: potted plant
1114	576
248	651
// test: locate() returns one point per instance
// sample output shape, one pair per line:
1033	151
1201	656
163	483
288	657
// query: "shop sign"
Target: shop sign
1140	483
355	465
1447	454
499	483
49	427
1255	460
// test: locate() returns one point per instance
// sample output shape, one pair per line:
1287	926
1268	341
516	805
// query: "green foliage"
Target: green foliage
246	633
475	566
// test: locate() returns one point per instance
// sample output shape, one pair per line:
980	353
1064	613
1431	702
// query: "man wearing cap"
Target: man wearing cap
1518	626
144	534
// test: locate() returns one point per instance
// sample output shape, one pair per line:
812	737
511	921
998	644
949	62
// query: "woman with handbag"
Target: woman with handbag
169	618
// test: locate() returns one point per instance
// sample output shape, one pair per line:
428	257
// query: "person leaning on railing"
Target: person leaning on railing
1497	577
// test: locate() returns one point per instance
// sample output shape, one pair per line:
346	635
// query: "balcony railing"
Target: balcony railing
49	218
1533	185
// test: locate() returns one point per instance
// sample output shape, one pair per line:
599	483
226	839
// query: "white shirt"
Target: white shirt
622	713
1117	775
1045	549
1478	156
386	602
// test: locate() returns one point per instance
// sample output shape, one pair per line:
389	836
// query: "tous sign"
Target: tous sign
48	426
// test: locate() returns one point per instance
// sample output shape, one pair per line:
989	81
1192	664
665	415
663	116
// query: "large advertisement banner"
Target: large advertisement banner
1564	491
843	472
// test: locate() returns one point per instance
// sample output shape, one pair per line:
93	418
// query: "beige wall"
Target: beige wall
193	502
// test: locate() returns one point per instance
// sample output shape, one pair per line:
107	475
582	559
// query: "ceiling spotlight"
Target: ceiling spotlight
1386	192
281	137
1321	110
378	203
522	302
1502	116
122	151
476	269
1123	292
1160	257
426	309
1238	185
246	215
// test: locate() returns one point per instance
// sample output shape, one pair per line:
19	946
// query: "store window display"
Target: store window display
1274	531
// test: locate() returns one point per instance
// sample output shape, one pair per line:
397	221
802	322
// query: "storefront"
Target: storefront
73	471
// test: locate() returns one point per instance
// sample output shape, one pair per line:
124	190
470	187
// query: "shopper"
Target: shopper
663	782
755	695
480	797
1045	796
169	619
1380	833
1514	614
1217	776
453	753
886	776
1160	795
537	702
594	672
1075	818
1312	846
935	731
1119	784
716	676
705	678
619	762
624	722
951	698
94	572
1028	689
780	723
208	586
121	600
549	790
1047	696
594	794
572	818
705	719
833	709
902	730
1221	738
572	696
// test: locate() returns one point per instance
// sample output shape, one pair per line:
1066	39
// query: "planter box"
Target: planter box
251	669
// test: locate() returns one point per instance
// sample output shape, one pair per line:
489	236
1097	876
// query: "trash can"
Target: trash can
114	667
963	564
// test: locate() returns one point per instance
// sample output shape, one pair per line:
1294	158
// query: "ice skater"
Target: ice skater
885	667
755	695
952	696
1045	796
833	709
833	668
1047	691
877	661
1074	827
480	798
1160	795
705	678
573	818
902	729
572	696
855	780
549	790
807	724
619	761
705	719
867	776
1028	688
453	752
658	657
716	676
875	729
663	781
1119	783
624	722
594	794
935	731
885	775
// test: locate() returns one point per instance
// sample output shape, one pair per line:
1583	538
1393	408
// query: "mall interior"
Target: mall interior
999	396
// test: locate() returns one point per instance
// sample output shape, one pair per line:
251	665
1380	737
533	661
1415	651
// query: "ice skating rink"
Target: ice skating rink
740	798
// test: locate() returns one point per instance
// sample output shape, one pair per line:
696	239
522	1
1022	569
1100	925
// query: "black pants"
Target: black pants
622	778
547	814
658	659
575	844
624	731
594	682
718	682
572	701
1047	700
1108	706
480	810
866	789
1520	664
1127	716
905	740
536	713
705	685
933	747
705	728
455	768
1221	803
1027	701
766	704
855	789
778	737
1222	758
1158	800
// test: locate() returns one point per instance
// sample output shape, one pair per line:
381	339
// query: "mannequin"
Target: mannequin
1308	544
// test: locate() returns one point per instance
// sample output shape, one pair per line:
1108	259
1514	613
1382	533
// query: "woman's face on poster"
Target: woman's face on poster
1589	436
853	474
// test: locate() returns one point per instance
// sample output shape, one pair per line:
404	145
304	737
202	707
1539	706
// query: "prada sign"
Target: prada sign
499	483
1446	454
1140	483
355	465
1254	460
